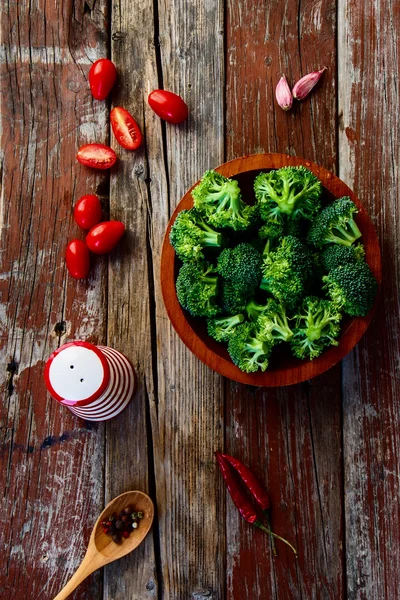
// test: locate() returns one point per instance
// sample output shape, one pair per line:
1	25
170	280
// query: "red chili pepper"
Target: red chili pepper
238	496
252	483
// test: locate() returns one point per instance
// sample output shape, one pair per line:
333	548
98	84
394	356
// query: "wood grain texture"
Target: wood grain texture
188	421
369	159
129	328
51	462
278	432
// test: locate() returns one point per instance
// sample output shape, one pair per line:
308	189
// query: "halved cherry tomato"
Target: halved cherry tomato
103	238
78	259
102	77
125	128
87	211
168	106
97	156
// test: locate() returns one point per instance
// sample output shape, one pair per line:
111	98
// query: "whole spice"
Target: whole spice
283	94
304	86
255	487
238	495
121	525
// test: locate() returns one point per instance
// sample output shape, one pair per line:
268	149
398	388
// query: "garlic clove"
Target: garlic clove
283	94
304	86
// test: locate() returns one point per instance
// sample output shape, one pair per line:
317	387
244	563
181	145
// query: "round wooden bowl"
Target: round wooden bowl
284	369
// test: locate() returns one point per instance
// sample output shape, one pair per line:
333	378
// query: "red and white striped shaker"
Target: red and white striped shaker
94	382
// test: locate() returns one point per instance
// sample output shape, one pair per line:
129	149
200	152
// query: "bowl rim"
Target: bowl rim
306	369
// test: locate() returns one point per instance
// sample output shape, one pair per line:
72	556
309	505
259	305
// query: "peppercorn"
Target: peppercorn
128	510
125	518
125	534
119	524
116	538
140	515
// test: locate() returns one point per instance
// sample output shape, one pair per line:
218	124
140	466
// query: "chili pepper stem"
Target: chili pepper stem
274	552
278	537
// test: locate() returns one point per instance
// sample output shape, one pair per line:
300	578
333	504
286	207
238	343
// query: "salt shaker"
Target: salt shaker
95	382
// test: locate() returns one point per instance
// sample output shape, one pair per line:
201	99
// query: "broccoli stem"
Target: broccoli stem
211	238
345	235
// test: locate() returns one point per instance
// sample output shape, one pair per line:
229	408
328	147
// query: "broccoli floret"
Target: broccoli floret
271	232
273	324
220	200
190	234
286	271
232	299
197	289
317	326
222	328
293	191
334	255
352	288
335	224
241	266
247	351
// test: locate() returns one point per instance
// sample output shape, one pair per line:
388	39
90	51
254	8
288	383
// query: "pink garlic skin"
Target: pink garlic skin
304	86
283	94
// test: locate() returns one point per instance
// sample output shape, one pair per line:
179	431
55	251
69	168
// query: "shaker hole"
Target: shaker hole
71	366
82	380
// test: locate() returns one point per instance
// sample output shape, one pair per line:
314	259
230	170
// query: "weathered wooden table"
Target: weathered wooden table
329	449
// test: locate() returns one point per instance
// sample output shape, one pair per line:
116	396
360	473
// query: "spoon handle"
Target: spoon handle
90	563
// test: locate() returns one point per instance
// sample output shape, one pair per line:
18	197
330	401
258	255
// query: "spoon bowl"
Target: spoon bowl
104	543
102	550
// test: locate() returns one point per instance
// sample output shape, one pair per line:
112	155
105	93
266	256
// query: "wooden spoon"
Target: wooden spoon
102	550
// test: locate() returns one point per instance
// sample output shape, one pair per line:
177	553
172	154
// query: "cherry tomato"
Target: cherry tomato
78	259
97	156
125	128
87	211
168	106
102	77
103	238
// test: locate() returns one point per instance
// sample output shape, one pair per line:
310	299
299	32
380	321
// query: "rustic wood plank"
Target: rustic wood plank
369	158
51	462
291	436
129	446
187	422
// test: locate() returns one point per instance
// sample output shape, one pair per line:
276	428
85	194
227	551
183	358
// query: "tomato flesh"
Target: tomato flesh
77	259
103	238
102	77
87	211
125	128
168	106
97	156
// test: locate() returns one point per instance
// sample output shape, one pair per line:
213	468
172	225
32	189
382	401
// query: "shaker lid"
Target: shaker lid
77	373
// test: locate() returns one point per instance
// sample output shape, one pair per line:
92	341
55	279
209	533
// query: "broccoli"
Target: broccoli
335	224
222	328
352	288
220	200
246	350
293	191
286	271
317	326
190	235
271	232
273	323
232	299
197	289
240	266
334	255
254	310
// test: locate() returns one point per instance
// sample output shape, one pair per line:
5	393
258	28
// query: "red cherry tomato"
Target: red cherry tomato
87	211
125	128
102	77
103	238
168	106
97	156
78	259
